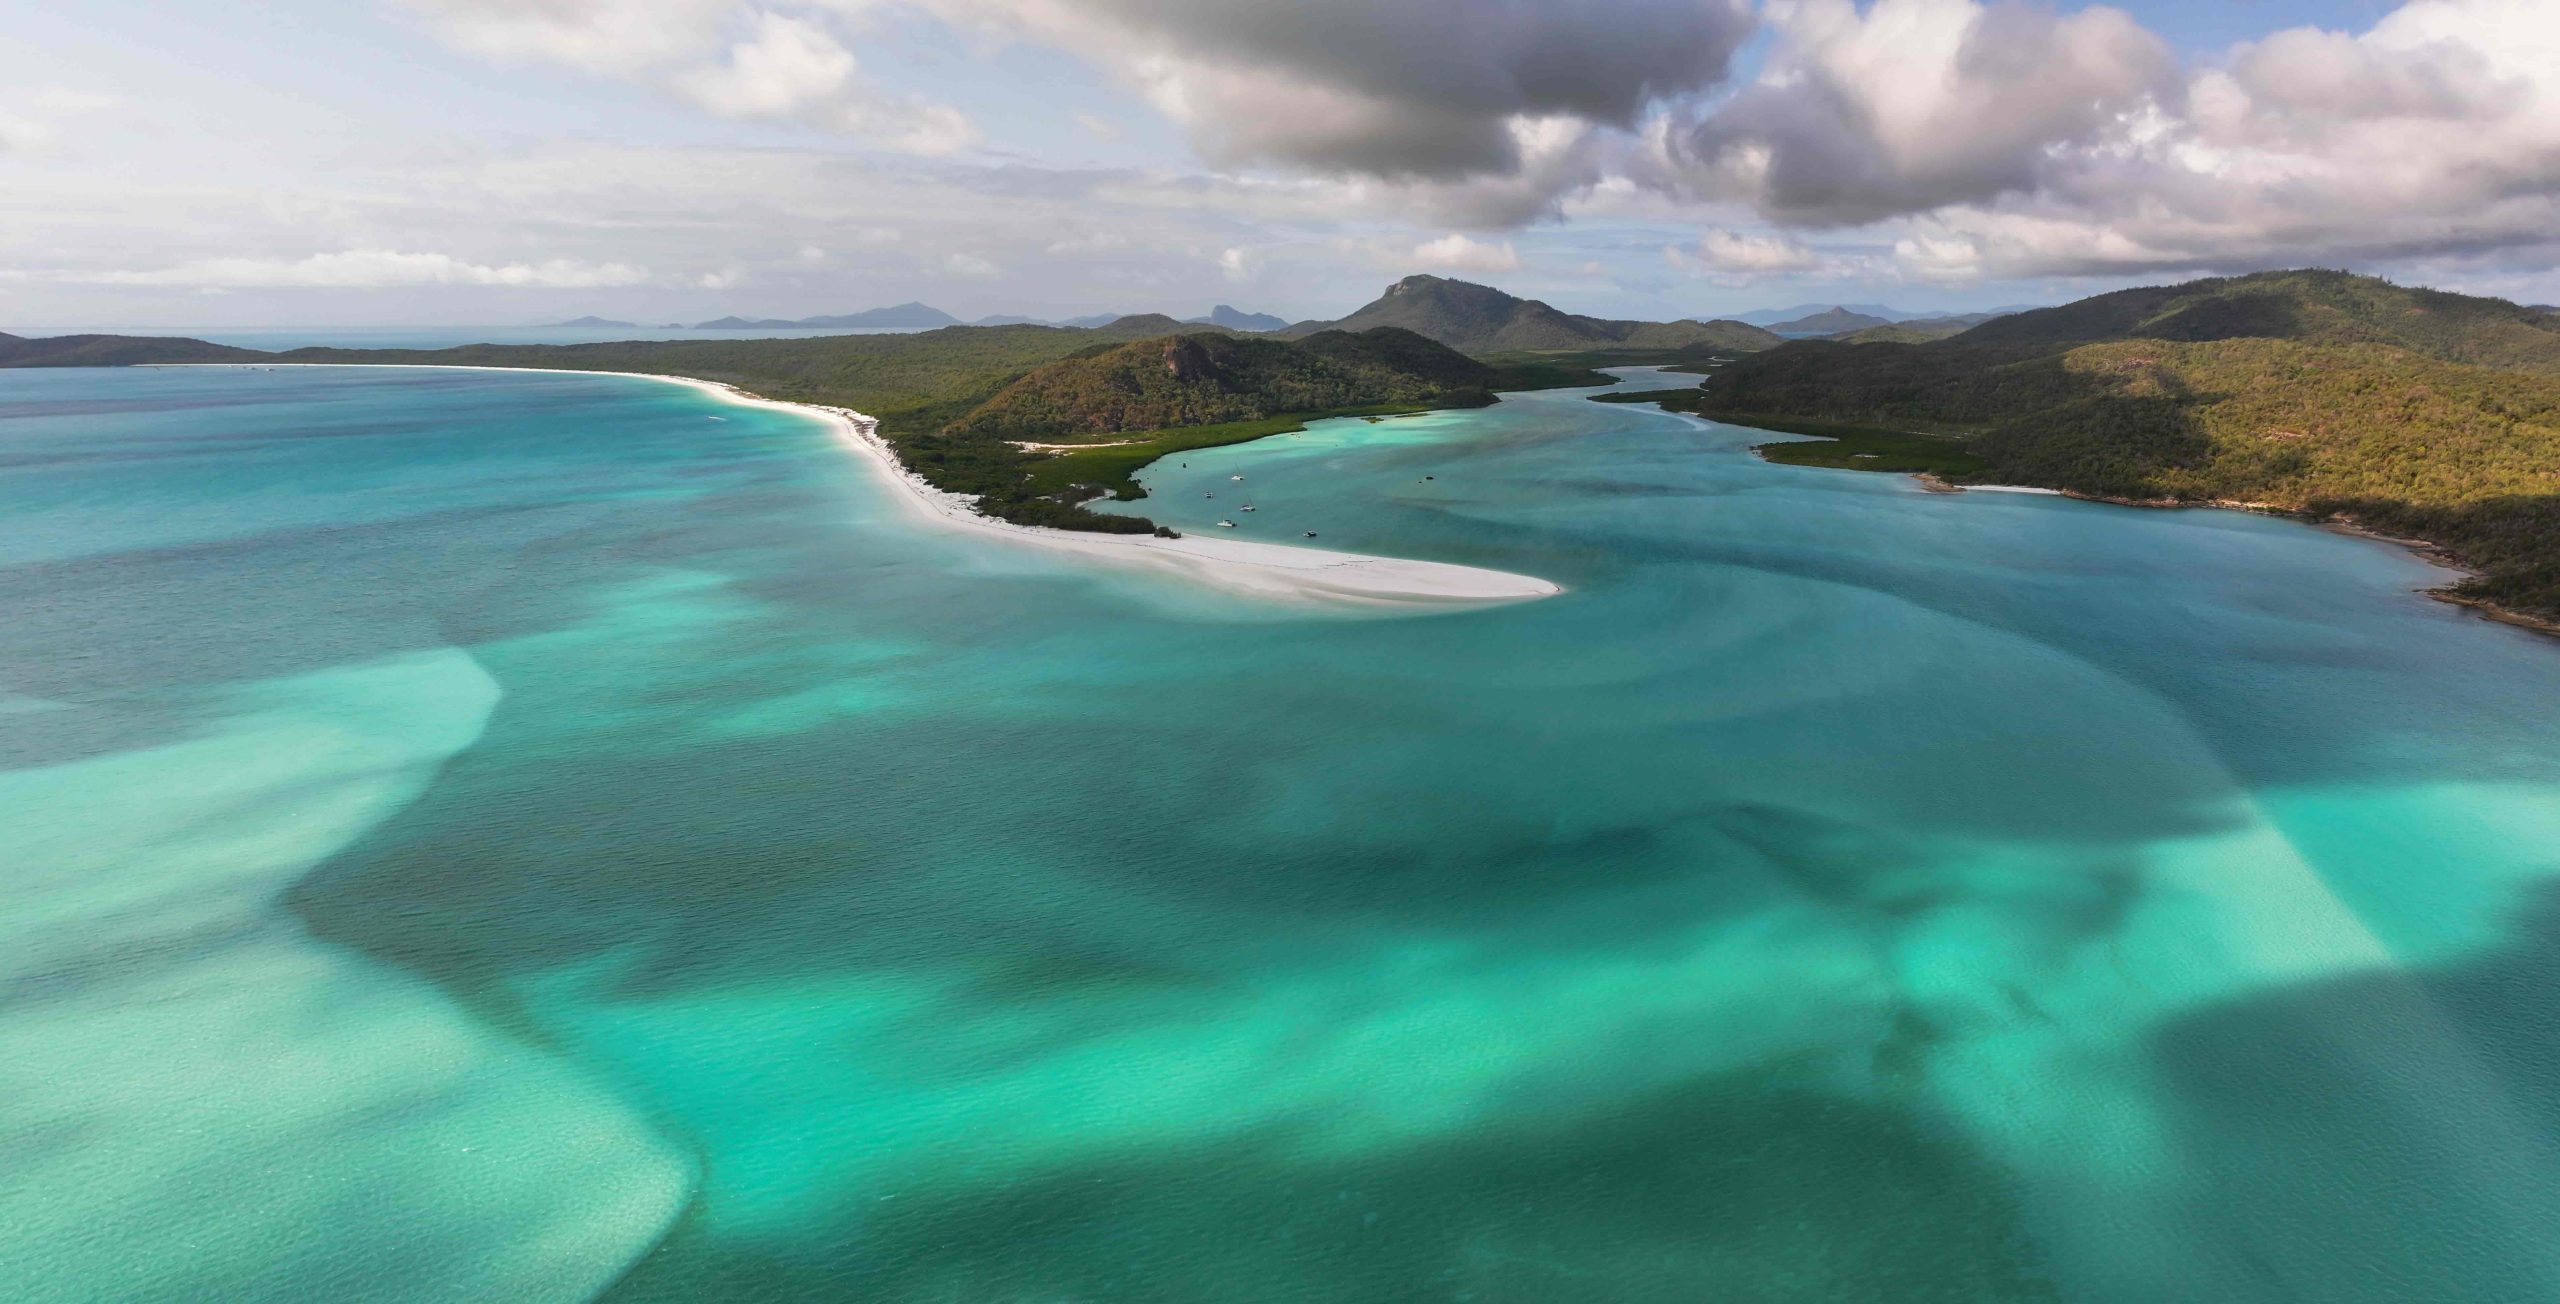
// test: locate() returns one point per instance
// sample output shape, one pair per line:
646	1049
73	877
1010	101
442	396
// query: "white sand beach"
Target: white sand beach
1267	570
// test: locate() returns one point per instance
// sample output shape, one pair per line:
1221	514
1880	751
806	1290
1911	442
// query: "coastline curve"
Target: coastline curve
1270	571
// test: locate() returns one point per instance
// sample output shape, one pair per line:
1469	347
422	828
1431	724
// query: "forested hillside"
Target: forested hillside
1481	319
1192	380
114	351
2411	412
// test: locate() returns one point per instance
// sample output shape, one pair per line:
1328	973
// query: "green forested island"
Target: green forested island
2411	413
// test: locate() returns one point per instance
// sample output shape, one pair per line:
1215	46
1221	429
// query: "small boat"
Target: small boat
1246	508
1311	534
1235	477
1208	495
1227	524
1430	477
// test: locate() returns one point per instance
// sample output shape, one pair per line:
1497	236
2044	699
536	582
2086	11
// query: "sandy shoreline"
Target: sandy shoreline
1275	571
2428	551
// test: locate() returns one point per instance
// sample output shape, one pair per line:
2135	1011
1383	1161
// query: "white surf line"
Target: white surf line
1265	570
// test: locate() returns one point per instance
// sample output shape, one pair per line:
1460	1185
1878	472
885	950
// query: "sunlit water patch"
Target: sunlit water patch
518	837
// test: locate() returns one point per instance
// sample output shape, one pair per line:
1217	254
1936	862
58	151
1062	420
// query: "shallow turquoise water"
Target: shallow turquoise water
519	837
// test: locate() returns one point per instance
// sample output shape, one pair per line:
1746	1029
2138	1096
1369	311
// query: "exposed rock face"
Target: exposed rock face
1188	359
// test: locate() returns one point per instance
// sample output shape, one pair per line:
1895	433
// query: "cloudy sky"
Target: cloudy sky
317	162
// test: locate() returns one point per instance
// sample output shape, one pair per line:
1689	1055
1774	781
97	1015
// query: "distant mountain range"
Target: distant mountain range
1469	323
1236	319
1480	319
1831	321
1782	319
1918	330
917	315
924	316
1772	317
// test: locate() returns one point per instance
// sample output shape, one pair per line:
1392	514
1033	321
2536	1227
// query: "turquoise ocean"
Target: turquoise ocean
536	837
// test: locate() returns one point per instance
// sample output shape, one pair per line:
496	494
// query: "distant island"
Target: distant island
908	315
600	323
2413	414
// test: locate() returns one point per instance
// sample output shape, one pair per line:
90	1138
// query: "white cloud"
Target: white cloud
2005	141
608	37
21	135
779	67
1238	264
30	122
1090	242
1756	255
1409	90
789	67
971	265
370	268
1912	105
1458	253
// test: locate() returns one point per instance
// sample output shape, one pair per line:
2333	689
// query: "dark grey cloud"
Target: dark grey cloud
1427	89
1914	105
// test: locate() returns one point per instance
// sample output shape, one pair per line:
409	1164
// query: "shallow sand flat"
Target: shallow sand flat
1265	570
1239	565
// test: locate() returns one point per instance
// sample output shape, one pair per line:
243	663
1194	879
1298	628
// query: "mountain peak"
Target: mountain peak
1234	318
1482	319
1427	281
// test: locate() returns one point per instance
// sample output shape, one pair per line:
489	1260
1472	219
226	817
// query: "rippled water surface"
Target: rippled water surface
540	837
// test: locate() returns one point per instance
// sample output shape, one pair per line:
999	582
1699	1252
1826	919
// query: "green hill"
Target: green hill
1203	379
1480	319
1906	332
2410	412
2313	307
1149	325
1137	402
1833	321
1918	331
114	351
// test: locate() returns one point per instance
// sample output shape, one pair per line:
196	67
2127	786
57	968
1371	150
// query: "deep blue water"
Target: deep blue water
484	836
